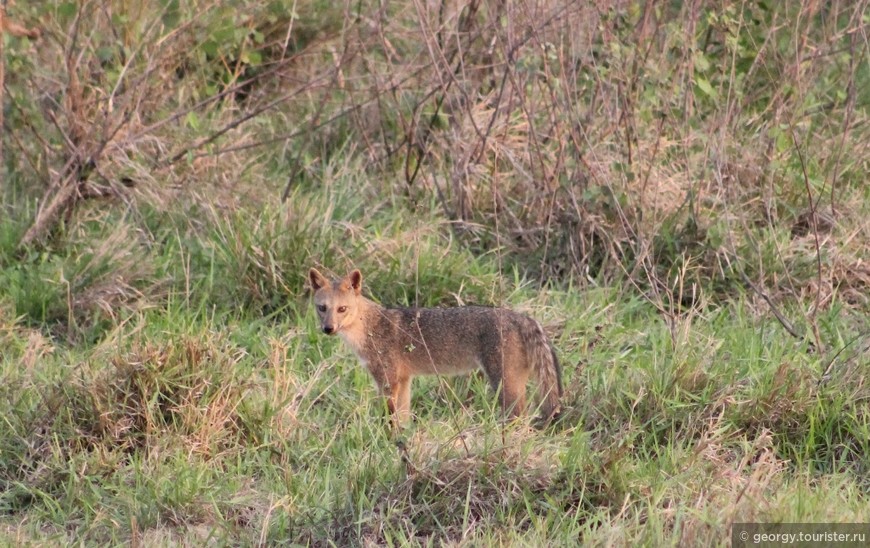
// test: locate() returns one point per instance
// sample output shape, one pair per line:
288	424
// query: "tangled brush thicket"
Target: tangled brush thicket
675	146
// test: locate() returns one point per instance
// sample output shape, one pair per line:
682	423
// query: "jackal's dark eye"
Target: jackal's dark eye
342	309
321	307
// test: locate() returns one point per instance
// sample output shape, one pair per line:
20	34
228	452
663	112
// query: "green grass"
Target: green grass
201	419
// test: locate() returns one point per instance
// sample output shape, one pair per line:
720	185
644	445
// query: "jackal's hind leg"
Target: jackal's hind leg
509	382
513	396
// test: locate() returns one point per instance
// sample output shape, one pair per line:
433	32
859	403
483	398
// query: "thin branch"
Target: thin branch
815	224
231	125
787	325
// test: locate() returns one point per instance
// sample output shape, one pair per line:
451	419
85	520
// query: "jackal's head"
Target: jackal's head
337	302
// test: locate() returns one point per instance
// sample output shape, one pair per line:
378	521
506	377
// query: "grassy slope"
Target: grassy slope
198	416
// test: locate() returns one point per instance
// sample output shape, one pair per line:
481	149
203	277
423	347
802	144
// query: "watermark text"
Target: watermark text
800	534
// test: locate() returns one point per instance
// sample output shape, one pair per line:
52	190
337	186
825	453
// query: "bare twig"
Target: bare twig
780	317
814	221
826	374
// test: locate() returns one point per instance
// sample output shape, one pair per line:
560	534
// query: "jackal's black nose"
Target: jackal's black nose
328	329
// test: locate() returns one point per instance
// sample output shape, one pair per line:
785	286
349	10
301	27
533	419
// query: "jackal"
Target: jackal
395	344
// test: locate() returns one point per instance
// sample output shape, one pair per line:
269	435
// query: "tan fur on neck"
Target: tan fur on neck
355	334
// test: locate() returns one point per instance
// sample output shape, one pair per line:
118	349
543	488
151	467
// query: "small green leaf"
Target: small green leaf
192	120
171	13
251	57
225	34
66	9
704	85
702	63
210	47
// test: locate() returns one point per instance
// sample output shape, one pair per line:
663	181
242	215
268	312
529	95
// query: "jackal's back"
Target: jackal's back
447	340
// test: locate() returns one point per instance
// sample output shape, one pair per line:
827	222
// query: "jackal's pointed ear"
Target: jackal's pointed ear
317	279
354	281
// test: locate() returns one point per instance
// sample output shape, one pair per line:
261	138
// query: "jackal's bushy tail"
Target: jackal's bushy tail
547	373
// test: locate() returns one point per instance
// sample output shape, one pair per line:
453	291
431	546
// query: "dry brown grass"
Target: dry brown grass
580	141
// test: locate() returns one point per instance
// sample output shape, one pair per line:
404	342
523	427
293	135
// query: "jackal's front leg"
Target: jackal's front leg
395	386
401	397
398	395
